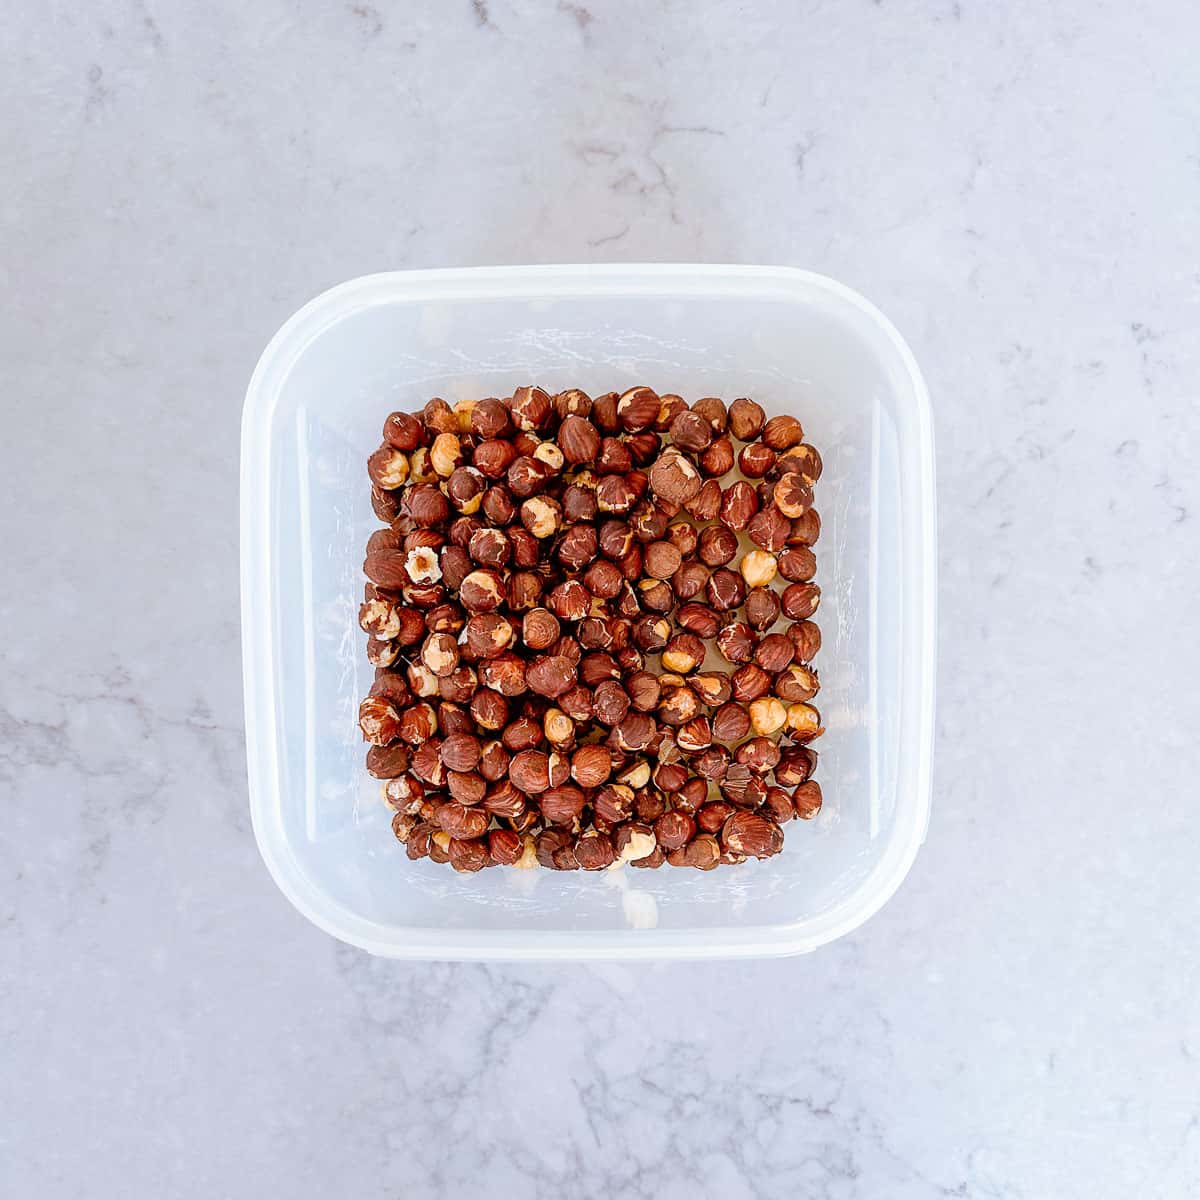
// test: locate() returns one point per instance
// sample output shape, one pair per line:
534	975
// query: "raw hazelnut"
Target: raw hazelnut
613	458
597	666
489	547
782	433
615	494
683	653
577	547
530	408
405	793
505	674
803	722
749	683
736	642
706	503
489	709
381	653
403	431
690	580
756	460
746	419
726	589
797	564
440	653
713	410
635	732
488	634
792	496
563	805
690	431
460	752
762	608
674	829
694	735
760	754
551	675
712	687
678	704
806	800
717	545
752	834
703	853
504	846
569	600
774	652
795	766
610	703
461	820
529	771
527	476
800	600
551	455
806	637
493	459
769	528
662	560
637	408
796	684
805	529
384	504
540	629
594	851
674	478
739	503
482	590
758	568
542	516
445	455
591	766
427	763
717	460
603	579
386	762
712	763
388	467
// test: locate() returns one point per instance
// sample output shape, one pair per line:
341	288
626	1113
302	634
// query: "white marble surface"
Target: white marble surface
1017	185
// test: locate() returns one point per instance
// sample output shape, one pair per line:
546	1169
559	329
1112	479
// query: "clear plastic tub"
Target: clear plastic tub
798	343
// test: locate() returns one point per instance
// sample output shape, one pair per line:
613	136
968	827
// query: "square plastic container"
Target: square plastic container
796	342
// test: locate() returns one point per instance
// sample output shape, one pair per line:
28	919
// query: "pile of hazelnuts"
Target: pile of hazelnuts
590	626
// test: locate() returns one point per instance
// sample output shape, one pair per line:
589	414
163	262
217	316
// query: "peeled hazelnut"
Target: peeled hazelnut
800	600
633	841
746	419
694	735
758	568
445	454
422	680
767	715
558	727
381	653
752	834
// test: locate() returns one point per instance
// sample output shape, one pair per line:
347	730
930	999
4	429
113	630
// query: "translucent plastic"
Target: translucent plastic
798	343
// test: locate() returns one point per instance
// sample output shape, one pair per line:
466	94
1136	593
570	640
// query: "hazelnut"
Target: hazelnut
610	703
690	580
717	460
643	690
504	846
750	682
541	516
712	687
726	589
762	608
800	600
489	709
489	547
678	705
662	560
526	476
637	408
598	666
540	629
739	503
531	408
806	800
445	455
756	460
465	488
633	841
388	467
774	652
803	722
690	431
386	568
758	568
673	830
767	715
503	799
387	762
674	478
489	419
635	732
551	455
792	496
569	600
797	683
563	805
797	564
467	787
523	590
806	529
683	653
703	853
460	752
615	494
440	653
717	545
795	766
594	851
579	503
761	754
694	735
529	771
482	590
468	855
505	674
769	528
713	410
493	459
488	634
551	675
782	433
577	547
382	653
746	419
403	431
579	439
806	637
752	834
706	503
379	721
461	820
591	766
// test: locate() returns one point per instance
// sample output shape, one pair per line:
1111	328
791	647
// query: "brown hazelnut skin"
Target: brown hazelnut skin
717	460
591	766
806	529
806	800
762	608
717	545
797	564
726	589
739	503
749	682
774	653
782	433
730	723
690	431
706	503
578	439
594	851
752	834
806	636
699	619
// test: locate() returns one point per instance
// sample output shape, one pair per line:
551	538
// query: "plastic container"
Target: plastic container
798	343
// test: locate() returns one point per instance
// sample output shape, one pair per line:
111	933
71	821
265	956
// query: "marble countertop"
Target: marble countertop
1016	185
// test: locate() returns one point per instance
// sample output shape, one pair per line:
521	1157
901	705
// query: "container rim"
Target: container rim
914	782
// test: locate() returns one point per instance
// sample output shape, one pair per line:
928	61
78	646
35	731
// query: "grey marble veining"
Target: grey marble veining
1016	185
